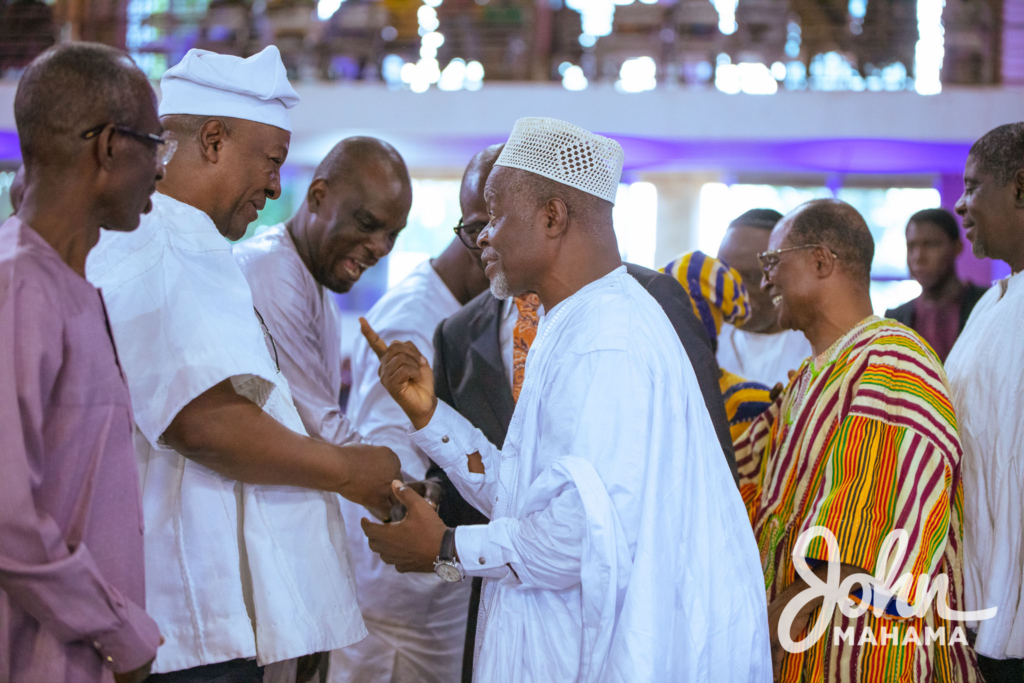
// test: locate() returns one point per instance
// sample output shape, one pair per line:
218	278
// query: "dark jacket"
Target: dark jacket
906	315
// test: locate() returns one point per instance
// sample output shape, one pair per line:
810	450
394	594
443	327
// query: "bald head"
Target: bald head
352	157
355	207
471	194
838	226
73	88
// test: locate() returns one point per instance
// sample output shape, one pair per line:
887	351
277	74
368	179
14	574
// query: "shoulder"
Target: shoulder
902	313
267	259
172	227
407	310
899	380
29	270
889	342
616	315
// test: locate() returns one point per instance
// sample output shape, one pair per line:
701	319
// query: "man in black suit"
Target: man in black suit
471	376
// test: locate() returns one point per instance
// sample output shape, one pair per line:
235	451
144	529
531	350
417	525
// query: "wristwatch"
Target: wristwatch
446	565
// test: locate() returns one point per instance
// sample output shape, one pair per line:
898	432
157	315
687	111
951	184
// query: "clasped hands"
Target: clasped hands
412	544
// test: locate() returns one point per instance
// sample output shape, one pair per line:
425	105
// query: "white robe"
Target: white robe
417	622
764	358
232	570
620	549
986	373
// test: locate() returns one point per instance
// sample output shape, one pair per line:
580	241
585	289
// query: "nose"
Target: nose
961	205
381	245
484	238
274	190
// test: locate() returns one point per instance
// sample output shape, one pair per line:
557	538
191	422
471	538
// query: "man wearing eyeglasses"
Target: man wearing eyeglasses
863	442
417	622
72	580
247	567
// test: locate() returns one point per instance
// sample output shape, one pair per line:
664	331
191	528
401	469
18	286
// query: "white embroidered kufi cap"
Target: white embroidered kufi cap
206	83
565	153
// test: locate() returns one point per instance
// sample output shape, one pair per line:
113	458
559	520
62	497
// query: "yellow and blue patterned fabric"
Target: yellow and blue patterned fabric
718	296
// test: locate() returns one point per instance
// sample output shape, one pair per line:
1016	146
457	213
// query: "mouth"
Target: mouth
776	300
489	258
354	268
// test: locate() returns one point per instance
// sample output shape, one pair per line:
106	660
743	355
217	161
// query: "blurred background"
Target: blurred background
721	105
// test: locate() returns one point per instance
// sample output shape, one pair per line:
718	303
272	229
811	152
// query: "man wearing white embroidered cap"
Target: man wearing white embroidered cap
619	548
247	565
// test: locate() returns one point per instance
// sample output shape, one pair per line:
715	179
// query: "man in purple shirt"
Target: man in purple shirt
72	592
940	313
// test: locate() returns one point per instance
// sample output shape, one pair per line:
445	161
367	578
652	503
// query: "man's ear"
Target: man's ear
104	148
1018	188
315	195
211	139
825	261
557	214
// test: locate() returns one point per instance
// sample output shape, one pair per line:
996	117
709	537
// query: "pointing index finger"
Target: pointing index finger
376	343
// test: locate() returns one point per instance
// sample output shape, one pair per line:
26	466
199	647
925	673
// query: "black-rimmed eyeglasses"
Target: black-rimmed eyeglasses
163	146
469	233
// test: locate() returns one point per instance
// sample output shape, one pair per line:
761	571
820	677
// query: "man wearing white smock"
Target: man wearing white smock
246	560
619	548
986	372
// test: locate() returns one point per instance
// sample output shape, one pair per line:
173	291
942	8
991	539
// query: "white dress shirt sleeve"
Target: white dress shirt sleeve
448	439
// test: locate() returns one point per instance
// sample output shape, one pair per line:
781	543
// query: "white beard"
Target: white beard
499	286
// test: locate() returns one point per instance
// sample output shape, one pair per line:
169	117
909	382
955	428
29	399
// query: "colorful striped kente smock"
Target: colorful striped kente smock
863	441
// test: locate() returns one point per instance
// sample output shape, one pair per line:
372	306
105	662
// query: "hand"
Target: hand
798	626
775	392
406	375
371	471
138	675
413	544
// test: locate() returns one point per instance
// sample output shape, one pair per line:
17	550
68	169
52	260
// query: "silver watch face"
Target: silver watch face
448	571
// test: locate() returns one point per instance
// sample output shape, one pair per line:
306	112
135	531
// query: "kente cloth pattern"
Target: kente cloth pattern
523	335
864	441
744	401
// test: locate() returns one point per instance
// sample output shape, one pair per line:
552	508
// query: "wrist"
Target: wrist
421	421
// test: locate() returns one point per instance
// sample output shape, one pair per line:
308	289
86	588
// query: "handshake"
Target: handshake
410	538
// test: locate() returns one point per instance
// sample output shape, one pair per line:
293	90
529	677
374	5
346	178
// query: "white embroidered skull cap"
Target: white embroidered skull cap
565	153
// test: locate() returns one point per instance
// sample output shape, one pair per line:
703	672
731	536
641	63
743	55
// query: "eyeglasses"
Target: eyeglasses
769	260
164	147
469	233
266	333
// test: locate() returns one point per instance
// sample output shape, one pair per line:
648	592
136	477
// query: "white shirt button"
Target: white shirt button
483	561
445	439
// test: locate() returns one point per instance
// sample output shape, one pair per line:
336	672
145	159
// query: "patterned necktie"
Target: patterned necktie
522	337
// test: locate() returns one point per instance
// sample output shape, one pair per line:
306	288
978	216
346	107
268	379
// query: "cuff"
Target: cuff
440	439
478	554
131	645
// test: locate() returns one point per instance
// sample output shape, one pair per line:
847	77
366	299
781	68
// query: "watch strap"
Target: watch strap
447	545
